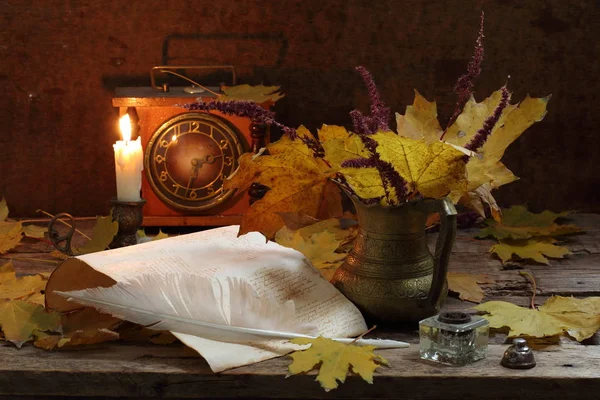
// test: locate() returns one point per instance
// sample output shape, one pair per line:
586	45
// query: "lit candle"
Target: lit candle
128	163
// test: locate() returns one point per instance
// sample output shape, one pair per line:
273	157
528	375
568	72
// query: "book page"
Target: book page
272	270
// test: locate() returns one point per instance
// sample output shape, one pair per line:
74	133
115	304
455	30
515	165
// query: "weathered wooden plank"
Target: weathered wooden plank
176	372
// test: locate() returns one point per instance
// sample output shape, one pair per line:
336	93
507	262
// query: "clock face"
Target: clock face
188	158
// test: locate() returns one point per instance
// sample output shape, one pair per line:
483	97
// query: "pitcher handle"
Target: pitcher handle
443	248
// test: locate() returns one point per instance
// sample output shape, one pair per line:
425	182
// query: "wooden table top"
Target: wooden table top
569	370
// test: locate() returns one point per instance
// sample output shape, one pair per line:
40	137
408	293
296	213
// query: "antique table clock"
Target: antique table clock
188	155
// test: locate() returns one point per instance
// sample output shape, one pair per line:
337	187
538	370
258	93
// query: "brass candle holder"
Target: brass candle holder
129	216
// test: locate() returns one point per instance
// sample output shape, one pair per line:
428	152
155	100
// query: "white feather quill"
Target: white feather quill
195	305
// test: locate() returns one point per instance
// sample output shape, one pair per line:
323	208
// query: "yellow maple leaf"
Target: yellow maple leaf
142	237
420	121
535	249
431	169
11	234
297	180
467	285
580	318
19	319
259	93
486	168
318	243
25	288
104	232
336	359
366	182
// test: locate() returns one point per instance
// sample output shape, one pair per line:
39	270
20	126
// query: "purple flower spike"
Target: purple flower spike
359	163
256	113
464	85
380	114
247	109
490	122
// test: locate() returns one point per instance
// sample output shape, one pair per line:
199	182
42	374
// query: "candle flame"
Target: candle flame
125	125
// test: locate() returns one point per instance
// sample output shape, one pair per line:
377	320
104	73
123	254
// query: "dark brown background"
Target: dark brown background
61	60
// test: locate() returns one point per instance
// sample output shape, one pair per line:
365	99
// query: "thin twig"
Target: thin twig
361	336
63	222
32	259
529	276
25	295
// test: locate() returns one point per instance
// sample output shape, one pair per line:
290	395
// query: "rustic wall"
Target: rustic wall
62	60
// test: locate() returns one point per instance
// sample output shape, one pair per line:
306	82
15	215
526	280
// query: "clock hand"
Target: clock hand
210	158
196	165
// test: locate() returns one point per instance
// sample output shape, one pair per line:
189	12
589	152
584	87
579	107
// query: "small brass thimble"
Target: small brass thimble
518	356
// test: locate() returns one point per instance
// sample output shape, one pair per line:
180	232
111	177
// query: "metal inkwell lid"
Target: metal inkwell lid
457	321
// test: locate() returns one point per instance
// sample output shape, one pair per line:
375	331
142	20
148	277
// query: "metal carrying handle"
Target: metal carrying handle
169	69
56	239
443	246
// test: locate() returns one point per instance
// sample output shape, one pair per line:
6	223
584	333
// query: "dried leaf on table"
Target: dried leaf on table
58	254
103	233
83	326
319	248
142	237
579	318
72	339
3	210
136	333
19	319
302	184
534	248
35	231
10	232
486	168
28	288
324	243
467	285
259	93
295	221
10	235
520	223
335	361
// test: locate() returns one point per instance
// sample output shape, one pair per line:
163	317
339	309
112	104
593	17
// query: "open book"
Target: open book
272	270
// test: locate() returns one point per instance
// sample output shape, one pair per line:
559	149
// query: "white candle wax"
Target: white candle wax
128	164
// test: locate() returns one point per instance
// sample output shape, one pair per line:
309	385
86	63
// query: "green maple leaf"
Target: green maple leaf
519	223
19	319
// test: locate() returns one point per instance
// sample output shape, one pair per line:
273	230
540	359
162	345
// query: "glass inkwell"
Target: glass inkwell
453	338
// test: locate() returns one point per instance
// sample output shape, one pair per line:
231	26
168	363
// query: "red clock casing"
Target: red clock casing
170	200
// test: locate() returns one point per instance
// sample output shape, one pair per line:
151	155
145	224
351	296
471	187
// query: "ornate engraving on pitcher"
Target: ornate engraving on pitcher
414	288
390	274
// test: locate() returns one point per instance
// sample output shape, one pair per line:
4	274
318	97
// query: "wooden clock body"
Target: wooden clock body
169	200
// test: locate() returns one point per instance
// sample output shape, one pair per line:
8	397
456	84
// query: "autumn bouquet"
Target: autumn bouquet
304	174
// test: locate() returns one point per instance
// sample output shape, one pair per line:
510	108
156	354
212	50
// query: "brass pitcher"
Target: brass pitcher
390	274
